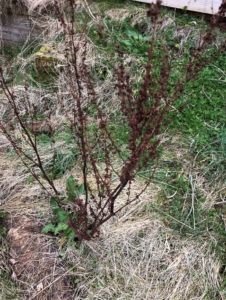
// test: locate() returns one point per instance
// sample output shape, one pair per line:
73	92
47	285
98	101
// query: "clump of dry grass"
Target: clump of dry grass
16	193
119	14
8	289
23	5
140	258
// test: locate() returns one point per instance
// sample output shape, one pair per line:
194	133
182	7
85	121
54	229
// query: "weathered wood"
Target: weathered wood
203	6
17	28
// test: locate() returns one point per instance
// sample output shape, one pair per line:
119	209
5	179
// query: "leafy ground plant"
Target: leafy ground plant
145	112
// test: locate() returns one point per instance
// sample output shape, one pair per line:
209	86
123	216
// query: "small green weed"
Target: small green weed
10	52
60	222
134	42
63	162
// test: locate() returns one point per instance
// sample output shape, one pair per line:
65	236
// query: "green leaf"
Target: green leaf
48	228
69	233
60	227
53	203
81	189
73	190
71	185
141	234
61	214
131	32
126	42
31	180
2	214
147	38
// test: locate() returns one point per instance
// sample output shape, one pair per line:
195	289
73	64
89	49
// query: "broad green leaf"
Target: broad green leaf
69	233
131	32
147	38
60	227
48	228
53	203
127	42
73	190
61	215
81	189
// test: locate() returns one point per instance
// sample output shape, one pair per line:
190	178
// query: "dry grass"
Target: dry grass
37	266
8	289
23	5
119	14
16	193
34	7
140	258
137	256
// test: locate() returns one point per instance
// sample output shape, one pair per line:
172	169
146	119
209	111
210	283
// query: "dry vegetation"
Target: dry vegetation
139	254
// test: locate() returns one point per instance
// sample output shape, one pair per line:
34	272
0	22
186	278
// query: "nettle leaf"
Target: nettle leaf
127	42
60	227
73	190
131	32
53	203
48	228
81	189
69	233
146	38
61	215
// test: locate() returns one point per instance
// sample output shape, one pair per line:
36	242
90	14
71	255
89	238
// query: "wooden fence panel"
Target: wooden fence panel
203	6
17	28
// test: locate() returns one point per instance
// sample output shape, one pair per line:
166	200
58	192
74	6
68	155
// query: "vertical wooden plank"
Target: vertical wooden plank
17	28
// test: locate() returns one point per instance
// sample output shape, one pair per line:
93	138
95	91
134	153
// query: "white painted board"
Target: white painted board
203	6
